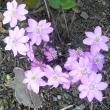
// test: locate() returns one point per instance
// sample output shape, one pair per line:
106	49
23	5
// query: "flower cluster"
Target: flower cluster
80	66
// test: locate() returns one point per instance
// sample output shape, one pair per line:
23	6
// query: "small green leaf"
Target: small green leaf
67	4
54	3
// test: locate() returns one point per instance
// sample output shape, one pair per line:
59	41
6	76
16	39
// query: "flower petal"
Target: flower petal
45	37
13	22
102	85
7	19
90	96
92	77
14	4
57	69
82	87
98	95
32	23
47	31
24	39
90	35
85	80
88	41
20	34
98	31
46	25
35	87
103	46
26	80
83	94
14	51
38	41
105	38
42	22
97	78
9	6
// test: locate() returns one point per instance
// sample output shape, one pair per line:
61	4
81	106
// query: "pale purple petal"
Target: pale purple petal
14	51
47	25
94	52
97	78
45	37
81	62
13	22
41	82
102	85
22	6
29	86
6	13
88	41
42	22
9	6
32	23
24	39
85	80
103	46
14	3
105	38
90	35
83	94
98	31
41	74
73	72
8	47
26	80
35	87
47	31
20	34
7	19
58	69
90	96
82	87
6	40
95	47
92	77
86	61
56	84
38	40
98	95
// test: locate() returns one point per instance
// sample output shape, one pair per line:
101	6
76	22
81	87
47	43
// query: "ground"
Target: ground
63	37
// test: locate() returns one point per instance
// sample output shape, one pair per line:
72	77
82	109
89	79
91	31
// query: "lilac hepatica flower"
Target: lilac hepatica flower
34	79
75	53
91	87
55	76
30	52
14	13
16	41
69	64
96	39
50	54
96	58
38	31
81	69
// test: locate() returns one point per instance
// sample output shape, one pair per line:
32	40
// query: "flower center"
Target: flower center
84	71
38	31
33	78
97	39
70	78
55	78
79	51
13	12
97	60
91	86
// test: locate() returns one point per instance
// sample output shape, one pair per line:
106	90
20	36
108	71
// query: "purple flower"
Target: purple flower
96	58
69	64
16	40
96	39
30	52
14	13
91	87
34	79
50	54
75	53
55	76
81	69
38	31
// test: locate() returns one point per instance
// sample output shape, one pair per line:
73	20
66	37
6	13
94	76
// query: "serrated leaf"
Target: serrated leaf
67	4
22	94
54	3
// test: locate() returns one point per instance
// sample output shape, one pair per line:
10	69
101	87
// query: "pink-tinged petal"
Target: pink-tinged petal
41	82
47	31
103	46
8	47
98	95
29	29
81	62
83	94
28	74
88	54
90	35
105	38
90	96
41	74
24	39
22	12
38	41
45	26
20	17
76	78
85	80
56	84
35	87
7	39
9	6
42	22
73	72
82	87
22	49
6	13
63	79
14	51
14	3
100	66
86	61
33	38
51	81
11	33
94	52
22	6
102	85
95	68
13	22
76	65
32	23
20	34
57	69
7	19
49	69
95	47
45	37
26	80
16	29
88	41
92	77
98	31
66	86
29	86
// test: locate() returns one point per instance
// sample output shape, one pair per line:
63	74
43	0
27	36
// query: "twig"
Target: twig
92	105
47	9
65	22
67	107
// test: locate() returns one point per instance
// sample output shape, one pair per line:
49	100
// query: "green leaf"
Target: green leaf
23	95
54	3
67	4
